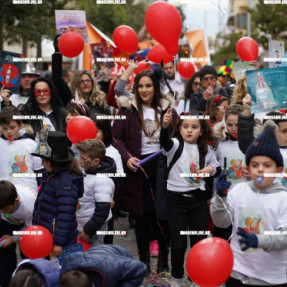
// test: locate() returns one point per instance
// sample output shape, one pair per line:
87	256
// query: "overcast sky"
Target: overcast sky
204	14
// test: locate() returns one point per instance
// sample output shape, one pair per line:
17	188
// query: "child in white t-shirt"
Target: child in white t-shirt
258	212
16	209
16	163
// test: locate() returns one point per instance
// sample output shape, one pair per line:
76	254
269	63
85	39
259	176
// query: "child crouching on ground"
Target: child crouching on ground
16	209
258	210
95	206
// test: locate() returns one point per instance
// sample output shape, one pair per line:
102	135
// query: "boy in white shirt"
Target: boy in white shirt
258	212
16	209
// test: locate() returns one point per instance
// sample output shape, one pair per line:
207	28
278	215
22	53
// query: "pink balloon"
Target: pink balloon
158	53
185	69
71	44
163	22
126	39
247	49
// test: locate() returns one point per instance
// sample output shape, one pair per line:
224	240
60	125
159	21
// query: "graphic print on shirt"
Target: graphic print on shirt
153	132
18	162
253	221
191	165
234	165
13	220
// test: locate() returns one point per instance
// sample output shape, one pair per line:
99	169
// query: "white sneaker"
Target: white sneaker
177	282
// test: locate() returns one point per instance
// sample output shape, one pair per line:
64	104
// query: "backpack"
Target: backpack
208	180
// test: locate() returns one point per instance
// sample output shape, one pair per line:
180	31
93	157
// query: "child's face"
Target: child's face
11	130
190	131
231	122
87	163
220	110
260	165
10	208
100	135
70	116
281	134
47	165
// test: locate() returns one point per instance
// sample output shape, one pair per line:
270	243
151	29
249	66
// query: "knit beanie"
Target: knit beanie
265	144
207	70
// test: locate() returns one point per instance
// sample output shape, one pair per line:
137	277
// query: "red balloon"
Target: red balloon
158	53
209	262
126	39
163	22
142	66
185	69
37	243
116	52
247	49
86	245
81	128
71	44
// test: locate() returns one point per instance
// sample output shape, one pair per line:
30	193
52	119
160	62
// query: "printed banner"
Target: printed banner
72	20
276	53
267	88
10	71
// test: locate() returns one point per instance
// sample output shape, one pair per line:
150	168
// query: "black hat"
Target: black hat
265	144
54	146
207	70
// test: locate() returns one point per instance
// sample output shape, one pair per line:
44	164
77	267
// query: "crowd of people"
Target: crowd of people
208	179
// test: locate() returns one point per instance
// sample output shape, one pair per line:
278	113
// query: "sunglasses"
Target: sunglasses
38	92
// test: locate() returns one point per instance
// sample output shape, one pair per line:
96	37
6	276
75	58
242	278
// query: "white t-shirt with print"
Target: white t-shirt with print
150	143
188	163
16	162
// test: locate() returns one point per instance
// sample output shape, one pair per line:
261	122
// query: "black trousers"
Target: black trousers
185	214
231	282
8	258
147	226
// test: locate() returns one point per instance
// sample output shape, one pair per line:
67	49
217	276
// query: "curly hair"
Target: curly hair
206	138
97	96
240	90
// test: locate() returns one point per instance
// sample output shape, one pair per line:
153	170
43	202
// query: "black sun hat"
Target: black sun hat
54	146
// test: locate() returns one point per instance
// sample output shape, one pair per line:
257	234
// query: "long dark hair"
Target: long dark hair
188	89
206	137
156	97
55	99
72	166
105	127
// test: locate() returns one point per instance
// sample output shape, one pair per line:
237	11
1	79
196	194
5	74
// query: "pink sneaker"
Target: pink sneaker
153	246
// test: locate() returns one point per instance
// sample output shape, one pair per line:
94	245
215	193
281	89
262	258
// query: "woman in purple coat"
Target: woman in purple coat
136	137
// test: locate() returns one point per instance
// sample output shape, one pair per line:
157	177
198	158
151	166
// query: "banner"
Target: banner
10	71
72	20
267	88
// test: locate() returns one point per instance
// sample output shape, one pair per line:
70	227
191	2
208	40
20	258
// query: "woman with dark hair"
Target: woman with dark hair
192	86
45	102
136	138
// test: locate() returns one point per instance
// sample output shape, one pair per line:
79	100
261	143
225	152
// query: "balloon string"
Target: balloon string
174	86
232	234
152	194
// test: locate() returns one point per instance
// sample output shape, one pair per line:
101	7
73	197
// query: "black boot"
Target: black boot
162	263
145	258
